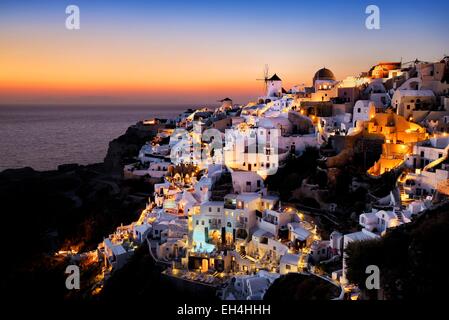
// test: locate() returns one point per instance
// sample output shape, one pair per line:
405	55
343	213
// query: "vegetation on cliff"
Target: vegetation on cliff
296	287
411	258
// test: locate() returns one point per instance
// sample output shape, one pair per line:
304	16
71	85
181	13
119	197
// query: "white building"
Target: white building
117	254
364	110
273	221
423	183
153	153
378	95
428	151
281	122
140	232
378	221
320	250
170	249
246	181
336	243
300	234
254	149
154	169
289	263
406	101
431	167
249	287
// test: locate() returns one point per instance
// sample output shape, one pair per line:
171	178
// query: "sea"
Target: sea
43	137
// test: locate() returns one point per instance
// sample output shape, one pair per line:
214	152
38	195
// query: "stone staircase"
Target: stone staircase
405	200
402	190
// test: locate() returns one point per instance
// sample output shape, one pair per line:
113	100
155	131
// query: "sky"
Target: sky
196	52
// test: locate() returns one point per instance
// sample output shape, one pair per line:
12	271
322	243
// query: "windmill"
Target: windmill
265	79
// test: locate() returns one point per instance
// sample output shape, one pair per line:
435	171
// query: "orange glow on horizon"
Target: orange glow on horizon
75	64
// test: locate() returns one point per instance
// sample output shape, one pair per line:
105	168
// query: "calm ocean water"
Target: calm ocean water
44	137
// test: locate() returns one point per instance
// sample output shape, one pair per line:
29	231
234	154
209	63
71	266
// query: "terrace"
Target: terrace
212	278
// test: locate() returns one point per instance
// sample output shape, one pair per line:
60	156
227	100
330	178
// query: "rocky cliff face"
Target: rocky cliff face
410	258
125	148
73	207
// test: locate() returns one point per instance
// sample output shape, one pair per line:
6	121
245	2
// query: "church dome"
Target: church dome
324	74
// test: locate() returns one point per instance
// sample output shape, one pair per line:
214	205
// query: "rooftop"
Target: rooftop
361	235
324	74
274	78
290	258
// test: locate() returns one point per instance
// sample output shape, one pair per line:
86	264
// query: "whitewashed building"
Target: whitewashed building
406	101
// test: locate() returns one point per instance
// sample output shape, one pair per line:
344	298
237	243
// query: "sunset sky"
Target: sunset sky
169	52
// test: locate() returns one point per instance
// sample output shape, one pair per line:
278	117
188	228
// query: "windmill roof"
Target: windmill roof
275	78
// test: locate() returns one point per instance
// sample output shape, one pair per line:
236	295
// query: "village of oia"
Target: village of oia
224	160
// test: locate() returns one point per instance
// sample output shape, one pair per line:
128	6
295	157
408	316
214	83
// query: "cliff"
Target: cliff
73	207
125	148
411	259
